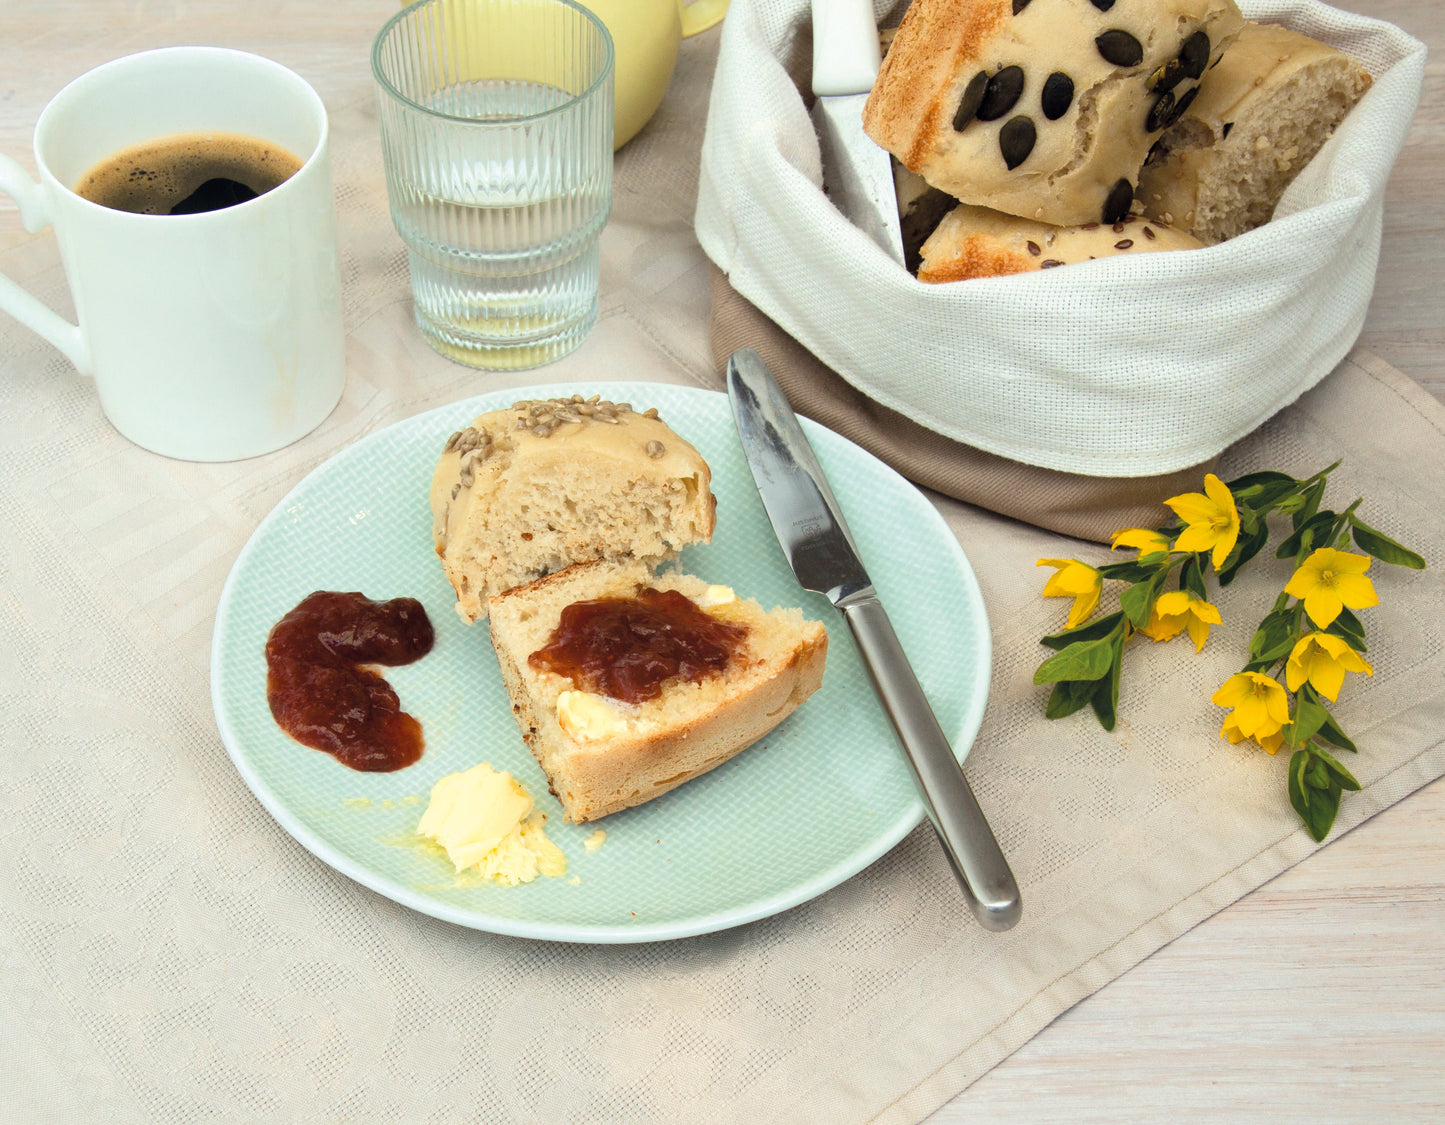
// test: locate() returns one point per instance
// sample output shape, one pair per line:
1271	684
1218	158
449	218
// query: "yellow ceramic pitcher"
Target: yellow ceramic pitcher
646	35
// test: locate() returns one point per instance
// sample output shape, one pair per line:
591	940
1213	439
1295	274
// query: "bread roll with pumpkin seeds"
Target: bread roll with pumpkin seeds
532	489
974	242
1260	117
1042	108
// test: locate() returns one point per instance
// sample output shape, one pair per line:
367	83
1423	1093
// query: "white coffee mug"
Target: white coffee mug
213	336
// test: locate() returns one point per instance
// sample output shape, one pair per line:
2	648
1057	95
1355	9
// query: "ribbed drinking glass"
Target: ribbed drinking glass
496	130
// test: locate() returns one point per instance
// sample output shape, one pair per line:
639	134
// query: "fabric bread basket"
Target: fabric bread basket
1123	367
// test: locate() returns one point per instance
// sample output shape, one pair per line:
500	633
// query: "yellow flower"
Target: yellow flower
1178	610
1076	580
1329	580
1260	706
1212	519
1269	742
1323	660
1143	540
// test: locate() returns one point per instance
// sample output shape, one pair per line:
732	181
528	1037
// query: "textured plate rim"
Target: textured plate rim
804	891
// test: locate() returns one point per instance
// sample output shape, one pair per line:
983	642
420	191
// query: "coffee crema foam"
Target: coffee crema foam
187	173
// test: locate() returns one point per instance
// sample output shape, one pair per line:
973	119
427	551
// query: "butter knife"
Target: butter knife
857	172
819	547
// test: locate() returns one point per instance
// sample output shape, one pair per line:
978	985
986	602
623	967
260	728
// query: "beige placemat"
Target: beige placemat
168	953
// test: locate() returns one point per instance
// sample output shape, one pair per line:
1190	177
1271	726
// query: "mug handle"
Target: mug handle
22	305
701	15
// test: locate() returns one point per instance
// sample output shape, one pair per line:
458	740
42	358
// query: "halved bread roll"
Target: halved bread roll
603	752
526	491
1260	117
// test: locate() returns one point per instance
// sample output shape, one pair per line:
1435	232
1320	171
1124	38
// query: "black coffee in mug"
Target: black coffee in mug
187	173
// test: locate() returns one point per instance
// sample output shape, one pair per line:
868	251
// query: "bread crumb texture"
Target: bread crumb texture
1261	116
602	755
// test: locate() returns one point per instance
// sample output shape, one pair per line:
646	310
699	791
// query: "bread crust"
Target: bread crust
974	242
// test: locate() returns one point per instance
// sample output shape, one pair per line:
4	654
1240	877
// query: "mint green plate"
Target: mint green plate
816	801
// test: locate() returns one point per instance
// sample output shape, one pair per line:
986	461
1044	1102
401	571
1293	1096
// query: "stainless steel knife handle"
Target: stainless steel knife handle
846	47
967	839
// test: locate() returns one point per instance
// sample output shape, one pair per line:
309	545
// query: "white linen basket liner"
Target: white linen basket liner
1125	366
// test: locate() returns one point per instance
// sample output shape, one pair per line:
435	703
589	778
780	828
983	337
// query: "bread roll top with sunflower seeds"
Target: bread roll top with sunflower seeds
544	484
1043	109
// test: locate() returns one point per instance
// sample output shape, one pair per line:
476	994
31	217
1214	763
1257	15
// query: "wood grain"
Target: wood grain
1318	998
1405	325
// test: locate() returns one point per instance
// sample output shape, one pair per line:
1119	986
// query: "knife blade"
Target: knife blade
818	545
857	172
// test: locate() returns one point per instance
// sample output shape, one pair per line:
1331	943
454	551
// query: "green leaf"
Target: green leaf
1245	548
1309	716
1306	534
1103	627
1312	497
1131	571
1105	702
1316	806
1138	601
1082	660
1264	476
1349	629
1298	793
1330	732
1344	777
1275	637
1383	547
1191	578
1105	699
1068	696
1263	490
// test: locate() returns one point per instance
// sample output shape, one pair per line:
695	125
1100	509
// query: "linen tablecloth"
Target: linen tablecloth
168	953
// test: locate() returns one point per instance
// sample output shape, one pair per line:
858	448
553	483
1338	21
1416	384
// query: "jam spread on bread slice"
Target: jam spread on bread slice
629	648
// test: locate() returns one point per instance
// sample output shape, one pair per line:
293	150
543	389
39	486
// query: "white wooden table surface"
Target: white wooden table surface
1320	997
